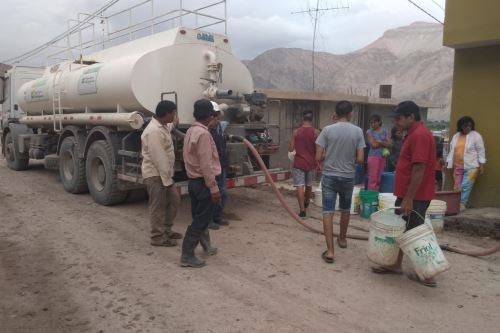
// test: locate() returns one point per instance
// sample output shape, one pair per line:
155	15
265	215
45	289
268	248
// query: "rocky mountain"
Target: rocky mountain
411	58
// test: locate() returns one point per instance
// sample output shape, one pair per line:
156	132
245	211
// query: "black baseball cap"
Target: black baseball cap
406	108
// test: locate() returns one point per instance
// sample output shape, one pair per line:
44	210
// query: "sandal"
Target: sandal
384	270
342	243
414	277
328	260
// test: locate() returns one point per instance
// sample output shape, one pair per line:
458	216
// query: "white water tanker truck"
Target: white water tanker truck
85	117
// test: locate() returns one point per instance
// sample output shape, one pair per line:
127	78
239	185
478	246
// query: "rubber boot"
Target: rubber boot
206	244
191	239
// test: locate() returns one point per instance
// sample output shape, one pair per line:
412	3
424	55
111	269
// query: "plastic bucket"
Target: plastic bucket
421	246
318	197
355	200
385	227
387	182
436	213
386	200
369	203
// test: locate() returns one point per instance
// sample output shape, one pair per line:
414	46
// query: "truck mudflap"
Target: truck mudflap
249	180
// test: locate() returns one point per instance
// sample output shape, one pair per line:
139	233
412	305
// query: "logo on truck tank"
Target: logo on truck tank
206	37
39	91
87	84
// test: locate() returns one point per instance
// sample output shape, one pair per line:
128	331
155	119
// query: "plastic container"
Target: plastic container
452	199
436	213
354	200
387	182
358	177
318	197
421	246
368	204
386	200
385	227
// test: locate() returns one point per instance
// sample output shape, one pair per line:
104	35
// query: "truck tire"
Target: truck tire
101	178
71	167
14	161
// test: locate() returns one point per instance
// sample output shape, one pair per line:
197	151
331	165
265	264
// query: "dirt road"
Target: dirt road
69	265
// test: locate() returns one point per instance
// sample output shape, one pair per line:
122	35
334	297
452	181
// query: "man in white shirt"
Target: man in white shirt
157	170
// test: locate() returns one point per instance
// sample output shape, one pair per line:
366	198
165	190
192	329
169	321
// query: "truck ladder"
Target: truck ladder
57	109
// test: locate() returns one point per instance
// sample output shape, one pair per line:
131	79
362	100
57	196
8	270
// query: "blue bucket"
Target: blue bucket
387	183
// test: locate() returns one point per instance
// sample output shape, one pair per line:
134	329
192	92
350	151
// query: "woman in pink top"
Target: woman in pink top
304	163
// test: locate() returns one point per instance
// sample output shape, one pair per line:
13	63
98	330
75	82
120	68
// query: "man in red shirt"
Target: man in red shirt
415	174
304	163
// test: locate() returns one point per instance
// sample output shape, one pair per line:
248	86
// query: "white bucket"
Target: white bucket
421	246
436	213
386	200
355	201
318	197
385	227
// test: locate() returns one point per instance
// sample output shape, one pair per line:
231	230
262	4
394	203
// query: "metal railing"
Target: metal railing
82	34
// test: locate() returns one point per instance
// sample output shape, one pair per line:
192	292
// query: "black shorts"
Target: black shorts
415	219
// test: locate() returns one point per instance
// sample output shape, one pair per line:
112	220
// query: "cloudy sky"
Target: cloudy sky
253	25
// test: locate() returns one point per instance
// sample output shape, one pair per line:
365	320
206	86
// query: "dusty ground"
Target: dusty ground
69	265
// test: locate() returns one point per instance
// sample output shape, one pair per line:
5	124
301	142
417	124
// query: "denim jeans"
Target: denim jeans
221	182
333	185
202	207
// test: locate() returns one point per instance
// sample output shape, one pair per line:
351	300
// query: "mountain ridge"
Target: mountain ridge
411	58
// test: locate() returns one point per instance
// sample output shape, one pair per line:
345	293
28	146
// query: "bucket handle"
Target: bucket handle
414	211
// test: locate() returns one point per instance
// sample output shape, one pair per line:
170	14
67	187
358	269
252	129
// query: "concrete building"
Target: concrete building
285	110
473	30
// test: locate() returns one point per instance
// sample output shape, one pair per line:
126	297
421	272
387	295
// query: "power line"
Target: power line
75	28
426	12
437	4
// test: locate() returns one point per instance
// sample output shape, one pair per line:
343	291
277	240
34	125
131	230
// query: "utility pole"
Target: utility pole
316	11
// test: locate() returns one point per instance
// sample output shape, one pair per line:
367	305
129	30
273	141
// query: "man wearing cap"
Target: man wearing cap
157	170
414	180
202	166
217	130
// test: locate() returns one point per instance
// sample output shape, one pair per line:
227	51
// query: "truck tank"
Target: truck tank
185	63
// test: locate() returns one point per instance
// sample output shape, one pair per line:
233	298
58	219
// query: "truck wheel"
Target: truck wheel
71	167
14	162
101	178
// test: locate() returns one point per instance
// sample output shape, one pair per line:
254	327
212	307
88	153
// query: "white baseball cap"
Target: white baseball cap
219	108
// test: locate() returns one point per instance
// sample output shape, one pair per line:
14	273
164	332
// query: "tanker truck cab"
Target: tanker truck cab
10	112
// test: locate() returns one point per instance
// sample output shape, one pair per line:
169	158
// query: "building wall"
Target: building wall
471	23
287	114
475	93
